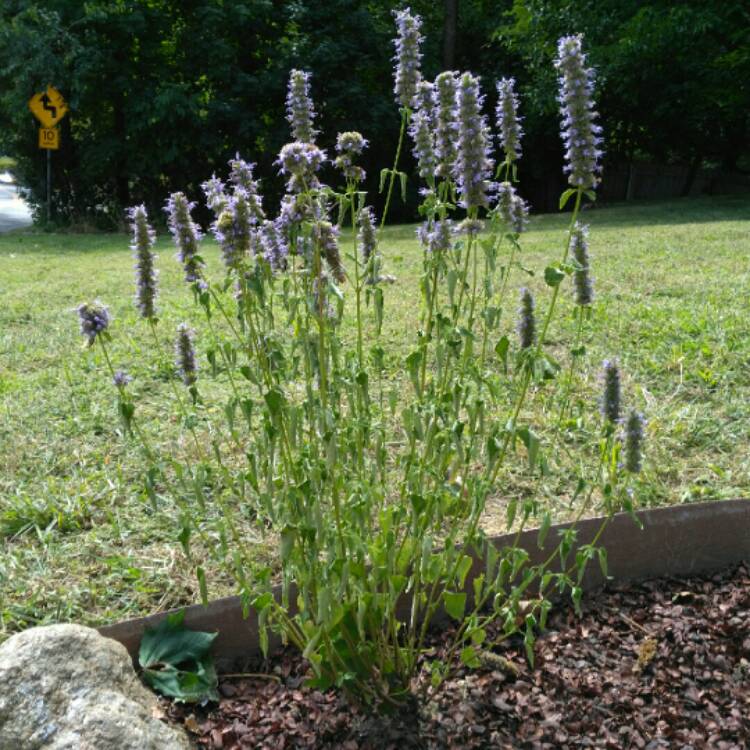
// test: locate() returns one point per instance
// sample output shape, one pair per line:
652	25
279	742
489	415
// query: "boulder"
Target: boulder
65	687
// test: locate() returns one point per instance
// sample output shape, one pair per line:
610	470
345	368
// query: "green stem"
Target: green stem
404	120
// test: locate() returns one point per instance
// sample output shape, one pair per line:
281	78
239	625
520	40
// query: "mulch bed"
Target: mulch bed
658	664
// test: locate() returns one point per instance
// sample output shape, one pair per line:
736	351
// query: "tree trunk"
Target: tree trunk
449	34
691	175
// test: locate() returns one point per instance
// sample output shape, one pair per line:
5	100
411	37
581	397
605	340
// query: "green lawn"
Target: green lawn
79	542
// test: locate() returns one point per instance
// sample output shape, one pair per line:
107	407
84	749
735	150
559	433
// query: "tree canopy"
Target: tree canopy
163	92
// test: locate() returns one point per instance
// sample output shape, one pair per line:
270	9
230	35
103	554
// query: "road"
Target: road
14	213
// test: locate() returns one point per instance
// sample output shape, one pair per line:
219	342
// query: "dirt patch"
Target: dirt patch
659	664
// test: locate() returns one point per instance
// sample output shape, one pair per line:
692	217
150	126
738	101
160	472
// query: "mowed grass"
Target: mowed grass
78	539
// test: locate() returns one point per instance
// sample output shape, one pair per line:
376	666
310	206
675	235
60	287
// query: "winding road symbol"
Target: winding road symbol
48	107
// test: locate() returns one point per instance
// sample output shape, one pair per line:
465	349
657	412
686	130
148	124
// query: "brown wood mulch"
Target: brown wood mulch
658	664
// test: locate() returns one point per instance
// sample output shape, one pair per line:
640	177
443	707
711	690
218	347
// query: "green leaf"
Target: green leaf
501	349
455	604
553	276
566	196
176	661
469	657
383	176
463	569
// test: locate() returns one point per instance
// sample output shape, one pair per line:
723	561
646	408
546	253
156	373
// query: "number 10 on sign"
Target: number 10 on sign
49	138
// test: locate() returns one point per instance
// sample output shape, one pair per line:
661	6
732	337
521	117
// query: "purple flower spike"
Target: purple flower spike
424	99
526	320
367	236
446	122
579	249
216	197
473	165
349	146
580	133
299	162
275	249
407	57
422	134
145	273
327	238
242	177
234	232
512	209
611	396
121	379
185	233
93	318
185	354
633	426
508	121
299	107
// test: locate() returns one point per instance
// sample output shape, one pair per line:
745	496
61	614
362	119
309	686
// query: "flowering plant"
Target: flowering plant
376	500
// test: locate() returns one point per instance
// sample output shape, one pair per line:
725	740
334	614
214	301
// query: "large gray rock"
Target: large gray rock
65	687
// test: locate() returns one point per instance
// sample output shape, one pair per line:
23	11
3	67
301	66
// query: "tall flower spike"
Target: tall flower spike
367	236
508	121
349	146
634	424
446	122
473	165
440	238
579	249
185	233
299	162
275	249
326	235
185	354
526	320
611	396
216	197
93	319
424	99
512	209
242	176
145	273
299	107
234	232
580	133
407	57
420	129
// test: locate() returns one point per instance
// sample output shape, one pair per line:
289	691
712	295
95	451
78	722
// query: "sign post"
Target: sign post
49	108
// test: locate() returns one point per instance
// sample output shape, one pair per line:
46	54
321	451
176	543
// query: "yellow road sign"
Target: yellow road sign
48	107
49	138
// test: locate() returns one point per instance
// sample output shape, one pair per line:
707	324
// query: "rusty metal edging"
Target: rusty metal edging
675	540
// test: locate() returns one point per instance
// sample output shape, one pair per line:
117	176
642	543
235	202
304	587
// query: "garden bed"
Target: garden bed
658	664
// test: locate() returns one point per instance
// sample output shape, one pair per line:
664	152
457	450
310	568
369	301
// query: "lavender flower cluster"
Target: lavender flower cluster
473	165
145	272
632	425
512	209
446	122
184	350
93	319
407	57
349	146
579	248
508	121
299	106
186	235
581	134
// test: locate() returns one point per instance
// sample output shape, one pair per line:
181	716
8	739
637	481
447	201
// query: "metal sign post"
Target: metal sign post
49	108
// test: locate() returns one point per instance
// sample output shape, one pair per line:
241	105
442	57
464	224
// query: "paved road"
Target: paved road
14	213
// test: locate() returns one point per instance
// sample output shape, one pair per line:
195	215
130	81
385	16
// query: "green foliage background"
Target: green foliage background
164	92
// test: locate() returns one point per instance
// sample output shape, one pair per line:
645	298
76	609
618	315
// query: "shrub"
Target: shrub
374	490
